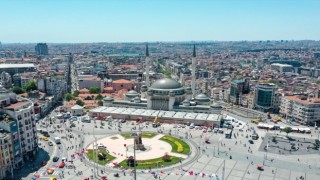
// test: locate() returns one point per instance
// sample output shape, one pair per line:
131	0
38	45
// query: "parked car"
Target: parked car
50	171
55	159
43	163
50	143
251	142
62	164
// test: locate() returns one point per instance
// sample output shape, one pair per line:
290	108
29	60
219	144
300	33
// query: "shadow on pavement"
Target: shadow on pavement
32	165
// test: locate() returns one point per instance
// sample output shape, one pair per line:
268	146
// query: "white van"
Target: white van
57	140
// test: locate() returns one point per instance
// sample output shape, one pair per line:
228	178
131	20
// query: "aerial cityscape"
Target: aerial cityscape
219	90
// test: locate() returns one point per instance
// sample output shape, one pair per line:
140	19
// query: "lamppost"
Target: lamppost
134	155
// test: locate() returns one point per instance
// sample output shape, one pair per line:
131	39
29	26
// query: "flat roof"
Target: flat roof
29	65
159	113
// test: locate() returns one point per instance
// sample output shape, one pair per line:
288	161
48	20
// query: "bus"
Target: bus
228	134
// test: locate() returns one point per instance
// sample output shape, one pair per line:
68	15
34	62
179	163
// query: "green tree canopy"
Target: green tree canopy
18	90
287	130
76	93
30	86
80	103
68	97
99	97
94	90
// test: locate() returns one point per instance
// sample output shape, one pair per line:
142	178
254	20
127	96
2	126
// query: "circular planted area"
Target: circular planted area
151	150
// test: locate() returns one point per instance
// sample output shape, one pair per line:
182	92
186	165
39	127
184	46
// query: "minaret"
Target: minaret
147	66
193	83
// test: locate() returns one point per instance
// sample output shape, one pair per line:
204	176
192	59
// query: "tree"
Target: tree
287	130
30	86
18	90
99	97
88	98
80	103
76	93
166	157
100	103
68	97
94	90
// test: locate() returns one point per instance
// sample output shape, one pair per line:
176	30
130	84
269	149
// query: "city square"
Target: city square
236	156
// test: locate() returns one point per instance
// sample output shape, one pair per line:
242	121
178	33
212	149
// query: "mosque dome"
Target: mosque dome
108	98
166	83
144	88
202	97
216	106
132	94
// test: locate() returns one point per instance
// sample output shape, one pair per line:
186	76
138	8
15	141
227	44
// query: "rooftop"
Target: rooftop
3	66
17	105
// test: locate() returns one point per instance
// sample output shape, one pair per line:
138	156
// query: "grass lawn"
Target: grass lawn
146	164
174	142
144	135
102	162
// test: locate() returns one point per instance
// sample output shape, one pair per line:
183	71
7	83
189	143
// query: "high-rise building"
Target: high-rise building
239	87
42	49
266	97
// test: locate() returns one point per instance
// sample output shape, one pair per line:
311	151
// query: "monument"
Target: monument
138	142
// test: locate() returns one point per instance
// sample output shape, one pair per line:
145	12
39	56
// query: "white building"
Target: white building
301	108
282	68
76	110
23	112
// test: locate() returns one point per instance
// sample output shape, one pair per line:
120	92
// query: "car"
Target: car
123	120
55	159
53	178
50	143
62	164
43	163
73	125
50	171
70	166
209	130
45	139
64	159
251	142
101	146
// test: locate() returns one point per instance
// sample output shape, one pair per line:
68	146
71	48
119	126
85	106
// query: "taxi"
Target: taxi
45	138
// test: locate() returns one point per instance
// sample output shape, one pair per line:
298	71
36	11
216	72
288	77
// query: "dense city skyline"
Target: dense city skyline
140	21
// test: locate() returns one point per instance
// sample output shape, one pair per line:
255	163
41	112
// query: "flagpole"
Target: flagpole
223	169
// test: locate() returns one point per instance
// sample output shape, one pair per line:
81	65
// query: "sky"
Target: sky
79	21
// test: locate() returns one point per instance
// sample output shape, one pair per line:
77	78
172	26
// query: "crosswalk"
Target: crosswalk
44	172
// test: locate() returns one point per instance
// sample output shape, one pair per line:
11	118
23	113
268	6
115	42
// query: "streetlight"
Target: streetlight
134	155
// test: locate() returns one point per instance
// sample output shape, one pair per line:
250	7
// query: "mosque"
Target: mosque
165	95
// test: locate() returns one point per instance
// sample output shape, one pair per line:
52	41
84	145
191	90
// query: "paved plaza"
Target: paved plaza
228	159
282	145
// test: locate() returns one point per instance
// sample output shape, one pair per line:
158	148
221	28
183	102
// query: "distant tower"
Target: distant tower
147	66
41	49
193	83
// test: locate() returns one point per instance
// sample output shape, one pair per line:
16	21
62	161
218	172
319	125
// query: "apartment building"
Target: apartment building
6	154
23	112
91	82
301	108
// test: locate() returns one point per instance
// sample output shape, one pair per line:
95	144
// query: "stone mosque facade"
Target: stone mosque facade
167	95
